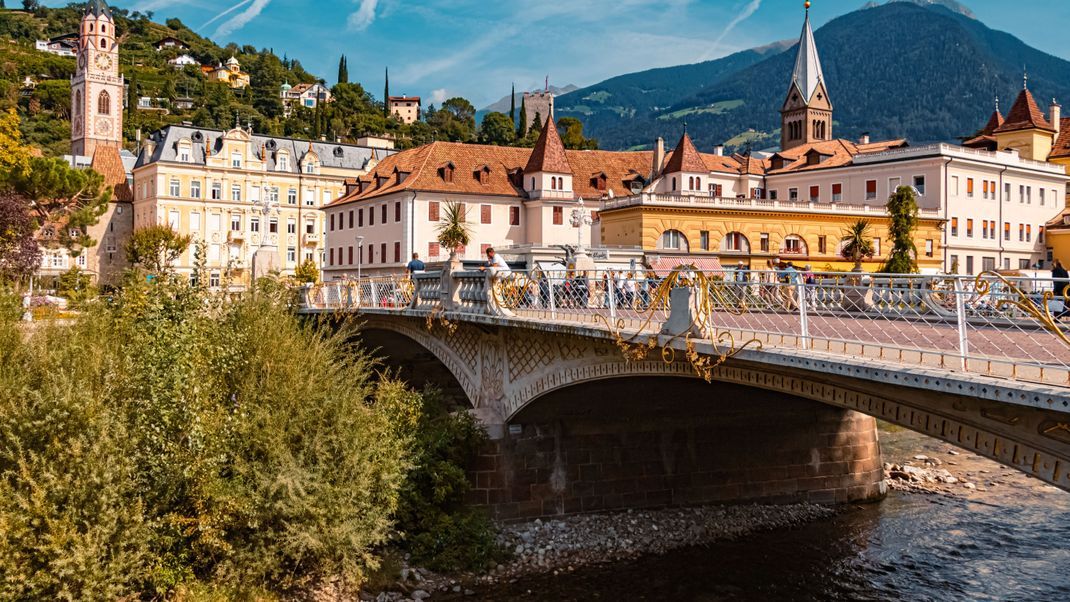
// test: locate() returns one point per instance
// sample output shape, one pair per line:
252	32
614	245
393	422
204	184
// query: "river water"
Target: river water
1009	542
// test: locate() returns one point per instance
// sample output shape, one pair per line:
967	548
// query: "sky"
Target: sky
477	48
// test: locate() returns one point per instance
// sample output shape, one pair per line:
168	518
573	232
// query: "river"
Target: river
1008	540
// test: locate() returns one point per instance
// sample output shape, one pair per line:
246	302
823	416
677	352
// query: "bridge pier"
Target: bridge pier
639	443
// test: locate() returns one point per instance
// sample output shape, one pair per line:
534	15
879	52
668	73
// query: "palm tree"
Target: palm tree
454	230
856	243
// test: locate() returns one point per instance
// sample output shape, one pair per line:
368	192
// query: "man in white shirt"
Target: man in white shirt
496	264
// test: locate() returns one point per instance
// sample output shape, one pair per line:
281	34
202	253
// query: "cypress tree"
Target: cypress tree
343	70
513	102
522	129
386	95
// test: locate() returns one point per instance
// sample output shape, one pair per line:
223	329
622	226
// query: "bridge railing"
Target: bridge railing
990	324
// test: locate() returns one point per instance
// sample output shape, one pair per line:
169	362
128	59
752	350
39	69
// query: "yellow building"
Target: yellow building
253	202
230	74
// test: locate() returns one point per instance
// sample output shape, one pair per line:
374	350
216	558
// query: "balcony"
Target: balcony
311	238
560	195
235	235
713	202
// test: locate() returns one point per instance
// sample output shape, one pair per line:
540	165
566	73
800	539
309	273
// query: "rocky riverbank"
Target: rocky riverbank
560	546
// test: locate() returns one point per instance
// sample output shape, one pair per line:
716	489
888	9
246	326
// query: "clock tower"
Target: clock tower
97	86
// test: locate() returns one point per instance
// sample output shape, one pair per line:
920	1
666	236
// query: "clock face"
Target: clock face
103	62
103	126
81	60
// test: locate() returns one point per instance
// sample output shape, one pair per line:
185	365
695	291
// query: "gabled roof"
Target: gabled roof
839	153
549	153
97	8
685	158
1061	149
108	163
807	73
1024	115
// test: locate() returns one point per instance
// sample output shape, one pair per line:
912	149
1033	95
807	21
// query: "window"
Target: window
195	189
763	244
1006	230
349	253
955	185
184	154
837	193
793	194
291	196
772	195
433	214
173	220
291	226
310	227
514	216
815	194
704	240
484	214
331	256
176	187
1007	192
559	216
1028	233
969	228
310	167
735	242
397	251
104	102
214	222
1021	232
919	183
876	247
893	185
360	218
254	224
235	222
382	210
822	244
988	264
434	249
195	222
1042	199
954	226
273	225
1028	195
397	211
283	162
235	160
871	190
969	187
310	197
350	219
673	240
382	252
213	280
331	226
1040	234
954	267
1023	264
235	192
929	247
793	245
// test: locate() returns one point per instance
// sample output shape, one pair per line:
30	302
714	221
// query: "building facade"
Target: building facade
405	109
308	96
229	74
97	86
253	202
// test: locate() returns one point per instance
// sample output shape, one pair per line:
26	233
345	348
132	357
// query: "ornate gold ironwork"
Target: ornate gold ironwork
1021	300
437	314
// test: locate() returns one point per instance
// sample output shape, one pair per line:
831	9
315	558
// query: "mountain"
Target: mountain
924	70
502	105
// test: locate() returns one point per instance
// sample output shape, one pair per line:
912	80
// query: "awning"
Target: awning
665	264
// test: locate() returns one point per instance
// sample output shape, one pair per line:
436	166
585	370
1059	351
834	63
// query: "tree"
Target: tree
903	210
573	137
522	128
307	272
386	94
155	248
75	285
30	5
454	230
13	155
496	129
65	201
343	70
512	105
19	253
856	243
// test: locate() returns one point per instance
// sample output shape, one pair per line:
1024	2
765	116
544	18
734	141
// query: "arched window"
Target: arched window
103	43
78	102
691	183
793	245
104	103
698	183
735	242
673	240
553	183
533	183
103	28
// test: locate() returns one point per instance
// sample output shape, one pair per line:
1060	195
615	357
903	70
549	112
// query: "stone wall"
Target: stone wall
638	443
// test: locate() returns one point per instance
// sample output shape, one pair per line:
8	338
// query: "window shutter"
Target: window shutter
484	214
432	211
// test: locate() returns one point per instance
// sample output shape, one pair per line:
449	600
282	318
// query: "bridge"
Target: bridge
605	390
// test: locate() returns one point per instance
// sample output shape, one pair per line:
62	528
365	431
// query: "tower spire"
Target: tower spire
806	116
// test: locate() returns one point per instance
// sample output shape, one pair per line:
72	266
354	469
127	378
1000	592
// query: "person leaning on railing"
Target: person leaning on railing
1060	279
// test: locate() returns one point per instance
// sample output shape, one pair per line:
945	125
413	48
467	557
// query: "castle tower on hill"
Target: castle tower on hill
97	86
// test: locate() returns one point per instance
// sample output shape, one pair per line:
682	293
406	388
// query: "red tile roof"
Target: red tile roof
685	158
836	153
1062	141
1024	115
106	162
549	153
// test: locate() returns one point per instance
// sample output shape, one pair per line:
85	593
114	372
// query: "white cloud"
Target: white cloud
439	96
252	11
742	16
364	16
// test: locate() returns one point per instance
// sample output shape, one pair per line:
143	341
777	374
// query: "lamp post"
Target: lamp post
360	254
580	218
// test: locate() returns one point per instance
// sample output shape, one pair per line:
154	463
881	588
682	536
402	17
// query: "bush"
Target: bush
171	441
75	285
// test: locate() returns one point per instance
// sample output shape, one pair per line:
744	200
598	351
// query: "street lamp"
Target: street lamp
580	218
360	254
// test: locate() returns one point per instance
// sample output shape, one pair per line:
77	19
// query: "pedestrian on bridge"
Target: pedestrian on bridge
415	266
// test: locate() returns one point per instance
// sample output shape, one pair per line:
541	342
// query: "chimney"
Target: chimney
1056	114
659	157
864	139
719	150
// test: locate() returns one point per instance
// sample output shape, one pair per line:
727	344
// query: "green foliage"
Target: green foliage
856	243
155	248
454	230
522	127
343	70
307	272
497	129
75	285
440	531
903	210
174	443
573	137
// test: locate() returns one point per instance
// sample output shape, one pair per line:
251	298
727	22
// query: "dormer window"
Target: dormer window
400	176
283	162
776	162
482	175
446	172
310	167
598	182
235	160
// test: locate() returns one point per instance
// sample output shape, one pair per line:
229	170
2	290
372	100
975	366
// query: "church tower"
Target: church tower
806	116
97	86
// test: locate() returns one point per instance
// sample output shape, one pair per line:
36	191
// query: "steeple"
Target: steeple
97	8
547	173
806	116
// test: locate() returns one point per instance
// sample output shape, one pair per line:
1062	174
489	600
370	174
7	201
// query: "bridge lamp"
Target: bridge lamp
360	254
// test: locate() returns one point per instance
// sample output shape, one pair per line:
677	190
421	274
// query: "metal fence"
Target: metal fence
989	324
